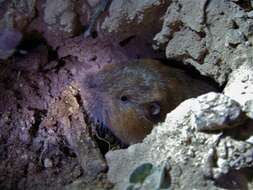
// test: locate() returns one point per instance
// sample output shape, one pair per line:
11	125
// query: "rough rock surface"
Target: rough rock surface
133	18
187	154
17	14
67	114
215	112
213	34
133	22
58	13
240	83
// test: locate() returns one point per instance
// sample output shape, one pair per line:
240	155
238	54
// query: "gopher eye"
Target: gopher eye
124	98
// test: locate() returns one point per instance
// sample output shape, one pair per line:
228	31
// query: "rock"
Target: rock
213	32
33	61
171	141
48	163
133	18
66	113
193	45
240	83
141	173
249	108
214	111
18	14
9	40
148	177
229	163
60	15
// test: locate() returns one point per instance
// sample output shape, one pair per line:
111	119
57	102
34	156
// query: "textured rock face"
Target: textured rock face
128	18
67	113
212	32
58	13
17	14
9	40
214	112
240	84
186	154
134	22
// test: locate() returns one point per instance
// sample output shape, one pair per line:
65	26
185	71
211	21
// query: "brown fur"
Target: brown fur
130	98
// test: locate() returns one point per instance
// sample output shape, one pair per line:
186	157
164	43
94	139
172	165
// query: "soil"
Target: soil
45	141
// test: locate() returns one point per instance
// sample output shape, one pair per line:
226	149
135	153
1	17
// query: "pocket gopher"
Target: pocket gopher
130	98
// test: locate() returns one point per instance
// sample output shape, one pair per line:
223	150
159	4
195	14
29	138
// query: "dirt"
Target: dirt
44	131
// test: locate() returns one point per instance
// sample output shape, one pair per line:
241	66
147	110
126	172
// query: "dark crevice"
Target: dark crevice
176	26
207	3
222	13
106	140
60	65
126	41
66	149
34	39
79	99
17	95
234	45
201	34
244	4
38	117
31	40
180	6
7	82
52	54
202	56
235	179
3	151
102	145
234	25
191	71
94	58
19	107
94	34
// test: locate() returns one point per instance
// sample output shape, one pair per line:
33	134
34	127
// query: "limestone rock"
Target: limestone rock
60	14
208	35
128	18
215	112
